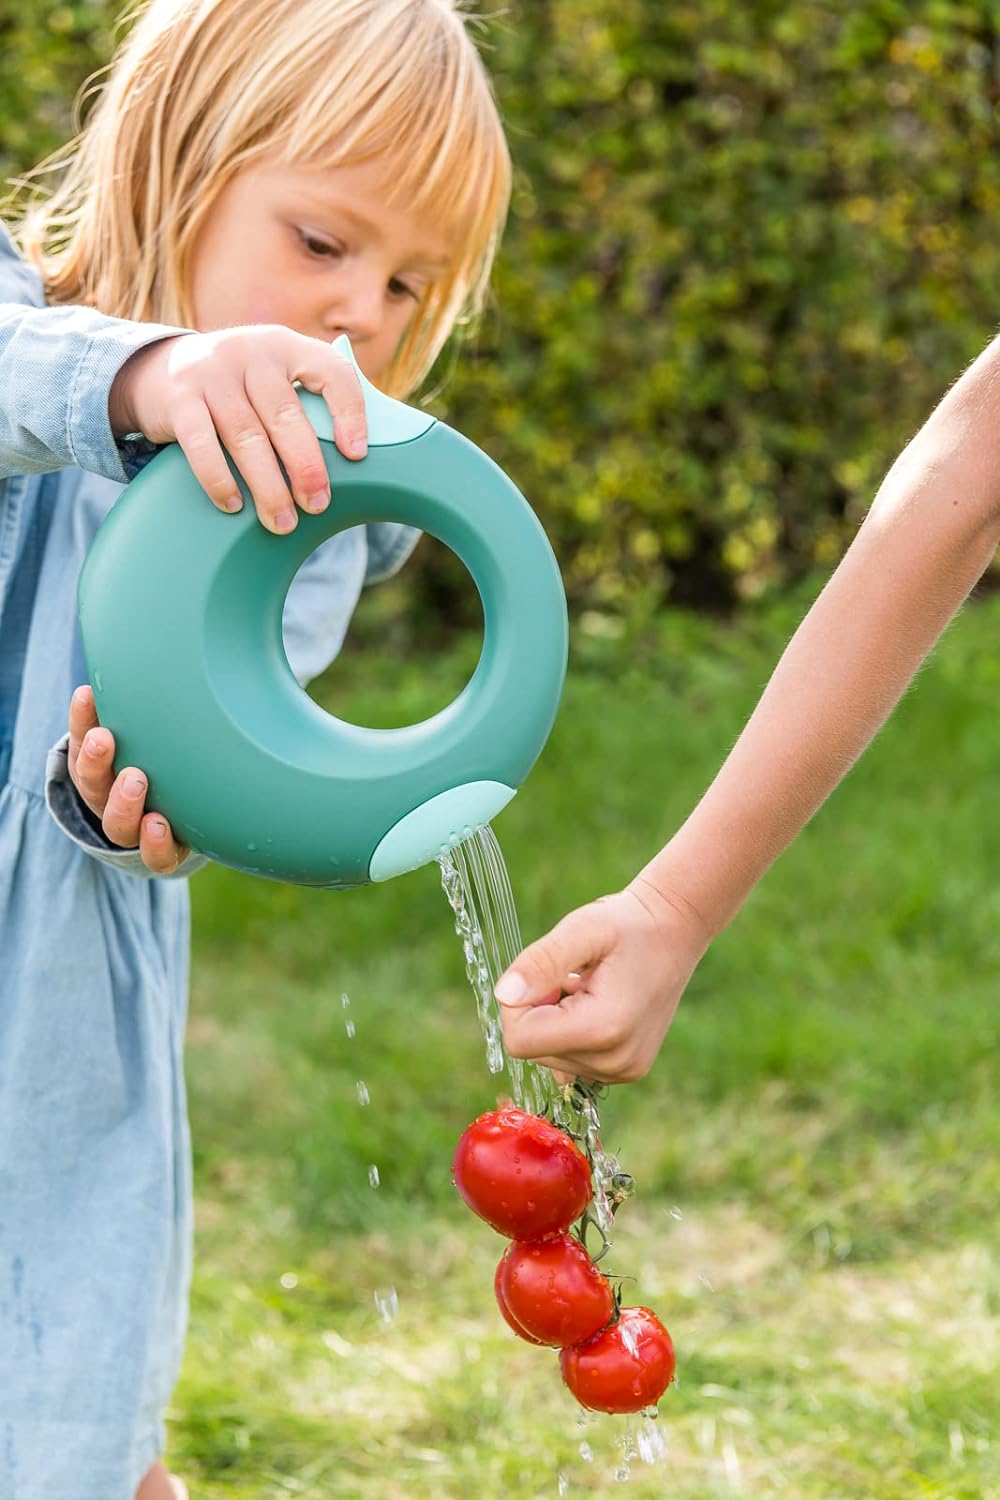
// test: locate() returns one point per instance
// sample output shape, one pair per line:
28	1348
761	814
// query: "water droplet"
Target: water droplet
349	1028
387	1304
563	1483
345	1001
289	1281
651	1445
623	1474
98	682
586	1453
705	1282
675	1213
363	1095
373	1177
251	848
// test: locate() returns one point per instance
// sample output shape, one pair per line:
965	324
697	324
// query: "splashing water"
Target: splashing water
387	1304
651	1444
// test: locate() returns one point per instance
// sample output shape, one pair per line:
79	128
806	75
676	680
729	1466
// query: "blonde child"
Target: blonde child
259	177
596	995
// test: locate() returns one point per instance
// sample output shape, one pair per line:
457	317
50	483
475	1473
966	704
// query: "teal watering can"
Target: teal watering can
181	610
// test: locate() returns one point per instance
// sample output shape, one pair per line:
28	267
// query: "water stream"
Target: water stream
477	885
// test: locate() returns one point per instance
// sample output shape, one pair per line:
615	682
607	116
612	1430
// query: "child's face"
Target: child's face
320	252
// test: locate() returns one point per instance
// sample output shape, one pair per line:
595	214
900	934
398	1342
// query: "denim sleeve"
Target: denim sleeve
321	600
57	366
68	810
389	545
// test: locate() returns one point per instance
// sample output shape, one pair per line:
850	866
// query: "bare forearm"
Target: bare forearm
930	535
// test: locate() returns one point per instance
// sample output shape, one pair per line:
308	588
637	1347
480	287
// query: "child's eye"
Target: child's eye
321	248
399	288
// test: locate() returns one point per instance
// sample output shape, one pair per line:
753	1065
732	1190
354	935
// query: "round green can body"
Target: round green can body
181	608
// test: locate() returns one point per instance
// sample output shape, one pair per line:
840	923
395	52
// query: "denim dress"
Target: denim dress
95	1167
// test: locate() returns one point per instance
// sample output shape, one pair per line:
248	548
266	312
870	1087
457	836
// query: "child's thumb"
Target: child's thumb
542	971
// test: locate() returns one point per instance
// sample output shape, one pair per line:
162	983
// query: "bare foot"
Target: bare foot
159	1485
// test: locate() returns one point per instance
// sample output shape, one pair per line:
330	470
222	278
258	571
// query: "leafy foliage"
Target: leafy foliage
752	242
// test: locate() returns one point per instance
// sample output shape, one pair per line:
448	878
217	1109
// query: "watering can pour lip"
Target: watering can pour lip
417	838
390	422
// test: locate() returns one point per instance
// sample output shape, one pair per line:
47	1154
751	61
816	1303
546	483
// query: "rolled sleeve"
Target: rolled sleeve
57	367
64	804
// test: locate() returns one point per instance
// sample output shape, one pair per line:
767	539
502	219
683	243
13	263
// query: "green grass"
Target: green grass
825	1116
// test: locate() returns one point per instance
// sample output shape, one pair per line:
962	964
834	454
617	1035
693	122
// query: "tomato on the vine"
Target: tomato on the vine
521	1174
505	1311
553	1290
623	1369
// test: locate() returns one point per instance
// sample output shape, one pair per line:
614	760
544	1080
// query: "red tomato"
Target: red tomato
505	1311
554	1291
625	1368
521	1174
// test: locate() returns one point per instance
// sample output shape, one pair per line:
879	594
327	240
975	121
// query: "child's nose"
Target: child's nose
361	312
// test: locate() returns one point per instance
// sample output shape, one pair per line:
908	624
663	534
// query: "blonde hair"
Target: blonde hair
202	88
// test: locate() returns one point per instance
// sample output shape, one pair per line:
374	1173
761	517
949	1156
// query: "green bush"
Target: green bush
752	243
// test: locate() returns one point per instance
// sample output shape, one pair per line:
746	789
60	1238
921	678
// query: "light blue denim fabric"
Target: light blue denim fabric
95	1173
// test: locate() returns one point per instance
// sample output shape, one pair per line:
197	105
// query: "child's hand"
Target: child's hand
119	801
595	996
235	385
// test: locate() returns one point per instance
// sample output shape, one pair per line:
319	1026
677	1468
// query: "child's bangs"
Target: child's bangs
416	96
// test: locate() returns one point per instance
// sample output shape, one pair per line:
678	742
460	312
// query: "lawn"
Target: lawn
817	1150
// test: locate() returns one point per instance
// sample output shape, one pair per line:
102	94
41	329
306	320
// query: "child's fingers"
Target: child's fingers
93	772
160	851
291	434
245	438
125	806
326	371
82	716
195	431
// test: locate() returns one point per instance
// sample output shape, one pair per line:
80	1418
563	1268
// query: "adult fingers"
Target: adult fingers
552	964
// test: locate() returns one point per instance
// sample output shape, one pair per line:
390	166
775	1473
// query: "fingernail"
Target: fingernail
318	502
357	447
284	520
92	746
157	827
233	504
79	694
511	988
135	784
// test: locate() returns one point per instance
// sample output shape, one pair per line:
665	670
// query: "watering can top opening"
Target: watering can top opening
181	609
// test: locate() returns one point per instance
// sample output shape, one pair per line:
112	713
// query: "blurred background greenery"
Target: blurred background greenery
751	245
751	242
